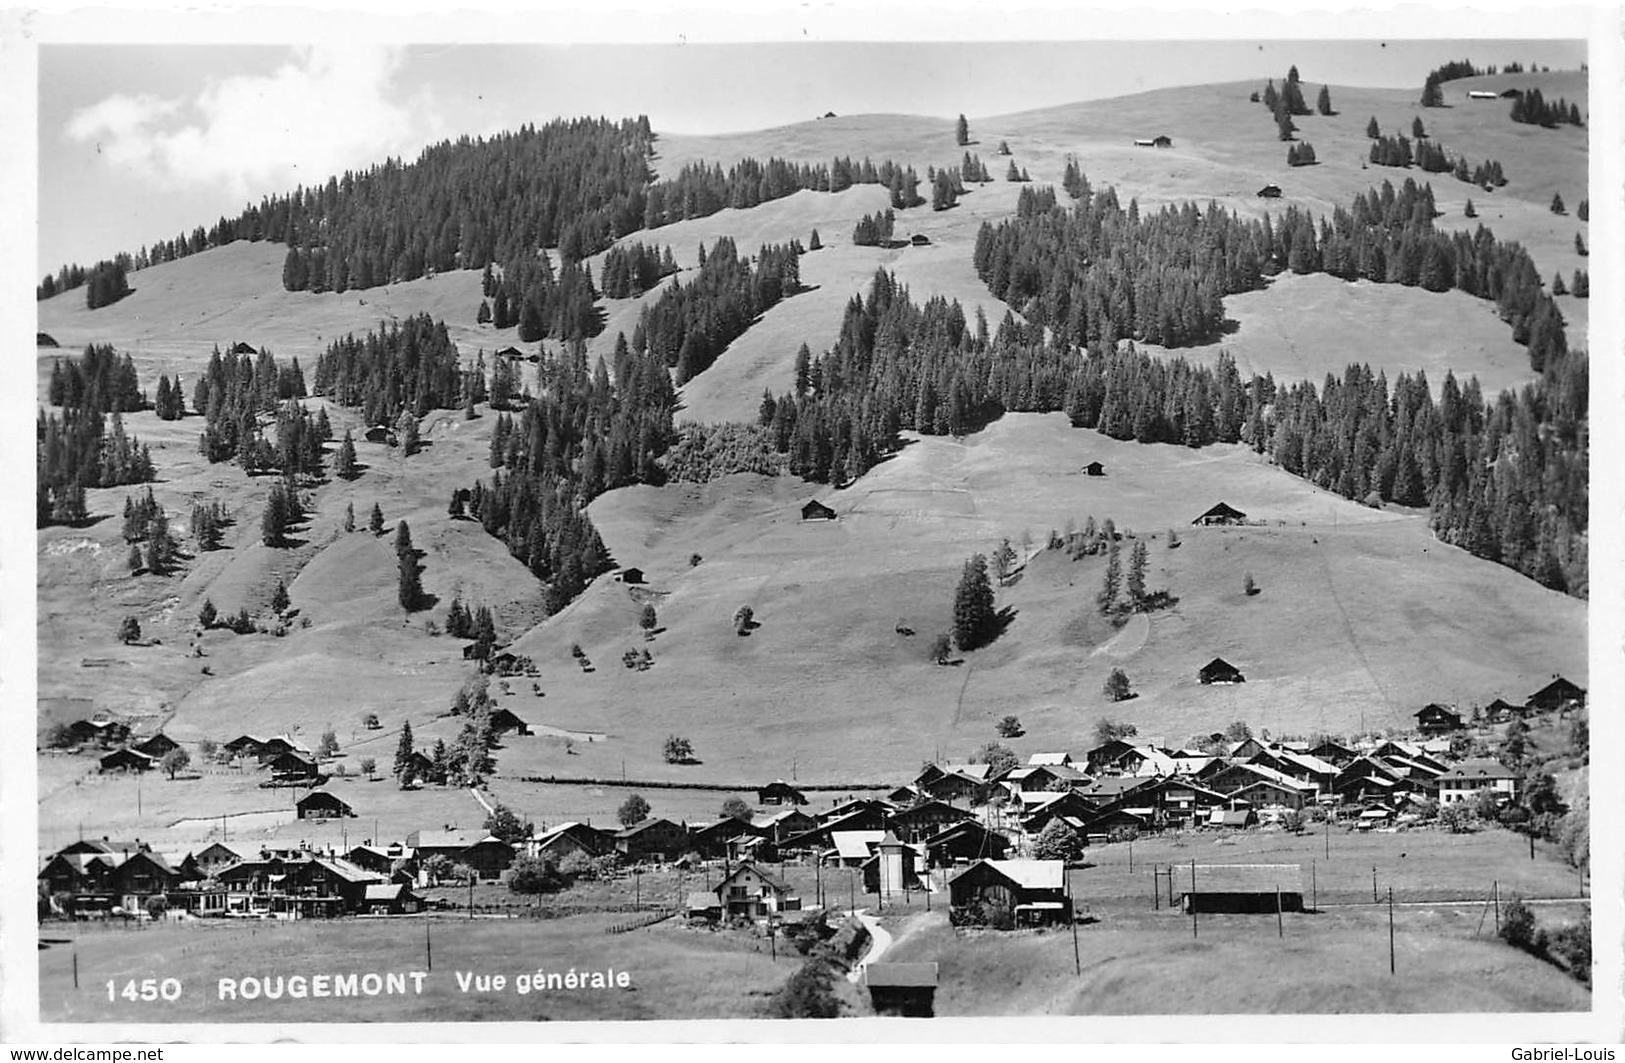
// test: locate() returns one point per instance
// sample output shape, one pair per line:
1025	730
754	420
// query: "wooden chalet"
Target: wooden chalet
103	733
327	886
566	838
126	759
750	892
504	720
924	820
156	745
1027	892
1219	670
630	575
1333	753
1270	191
816	510
1508	94
1304	767
390	898
1436	719
1094	468
1556	696
1071	807
141	875
919	240
1104	757
902	989
873	807
244	746
1037	778
512	353
719	839
79	873
779	792
243	348
955	782
1050	760
294	766
783	824
852	848
963	843
320	804
380	433
1239	888
1501	711
218	855
1222	513
394	861
653	840
271	748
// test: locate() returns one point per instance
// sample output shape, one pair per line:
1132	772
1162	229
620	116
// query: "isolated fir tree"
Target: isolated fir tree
1558	287
375	521
1557	204
1323	102
409	583
1580	246
1418	131
1116	686
1470	211
206	615
962	132
1136	574
279	598
1111	581
974	616
403	755
344	463
274	517
483	316
349	517
814	242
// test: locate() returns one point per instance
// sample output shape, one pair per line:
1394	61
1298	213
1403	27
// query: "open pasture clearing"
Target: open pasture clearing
676	973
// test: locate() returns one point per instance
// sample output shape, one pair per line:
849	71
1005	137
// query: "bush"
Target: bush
678	750
809	993
1456	818
1057	841
129	630
1009	727
1570	945
1518	925
535	874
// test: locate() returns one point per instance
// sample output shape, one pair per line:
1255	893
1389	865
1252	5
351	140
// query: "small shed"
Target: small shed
630	575
920	240
902	989
1221	671
1241	888
1094	468
1508	94
1221	514
1233	818
379	433
1482	94
390	898
319	804
1270	192
157	745
504	720
816	510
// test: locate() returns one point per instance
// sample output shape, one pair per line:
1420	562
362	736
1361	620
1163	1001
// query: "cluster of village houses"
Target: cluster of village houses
963	816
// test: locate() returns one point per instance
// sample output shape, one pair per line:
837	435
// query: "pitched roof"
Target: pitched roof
1477	768
900	975
1220	509
344	869
774	881
1028	874
1242	878
639	828
443	839
701	901
1049	759
384	891
855	844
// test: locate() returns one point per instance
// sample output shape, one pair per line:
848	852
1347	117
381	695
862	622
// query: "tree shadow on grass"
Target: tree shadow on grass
1002	620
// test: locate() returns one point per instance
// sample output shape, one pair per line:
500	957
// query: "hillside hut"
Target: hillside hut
504	720
45	339
1500	711
779	792
1221	514
1221	671
157	745
630	575
904	989
1436	719
1270	192
511	352
919	240
292	767
1094	468
1509	94
1482	94
1240	888
816	510
243	348
319	804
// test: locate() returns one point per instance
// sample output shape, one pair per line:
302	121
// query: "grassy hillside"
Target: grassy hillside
1362	618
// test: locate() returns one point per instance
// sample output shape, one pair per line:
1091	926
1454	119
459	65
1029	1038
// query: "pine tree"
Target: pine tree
974	617
375	522
279	598
813	242
403	755
1558	287
349	517
483	317
1470	211
1557	204
1136	574
1112	581
1432	95
1323	102
962	132
409	585
1418	132
344	464
274	518
207	615
1580	246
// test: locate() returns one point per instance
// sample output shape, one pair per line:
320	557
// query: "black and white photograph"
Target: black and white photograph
711	533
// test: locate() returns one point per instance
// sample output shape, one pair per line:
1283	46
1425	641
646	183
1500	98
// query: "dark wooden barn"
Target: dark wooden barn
319	804
1221	514
127	759
1437	719
816	510
1219	670
1023	892
779	792
1240	888
1094	468
1270	192
1557	695
902	989
157	745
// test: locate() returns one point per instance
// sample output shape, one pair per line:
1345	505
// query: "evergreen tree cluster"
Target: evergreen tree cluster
77	451
145	521
875	230
208	524
632	269
170	401
1016	174
544	303
106	284
1391	151
946	188
406	366
232	393
972	171
102	381
409	584
1531	108
1073	181
1288	103
691	324
1433	95
1302	154
283	510
477	624
701	189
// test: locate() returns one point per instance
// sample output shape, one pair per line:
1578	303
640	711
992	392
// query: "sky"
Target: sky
139	142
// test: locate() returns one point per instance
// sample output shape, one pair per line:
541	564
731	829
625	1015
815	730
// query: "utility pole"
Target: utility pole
428	947
1373	883
1496	888
471	896
1328	835
1314	886
1072	917
1390	930
1280	925
1192	898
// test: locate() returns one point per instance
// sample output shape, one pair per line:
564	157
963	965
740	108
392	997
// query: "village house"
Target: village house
99	732
156	745
1436	719
272	748
852	848
126	759
244	746
1501	711
922	821
566	838
653	840
319	804
1221	514
1037	778
1467	780
218	855
504	720
294	766
779	792
816	510
752	893
1050	760
963	843
396	862
1024	892
955	782
1070	807
716	840
1557	696
784	824
487	855
1333	752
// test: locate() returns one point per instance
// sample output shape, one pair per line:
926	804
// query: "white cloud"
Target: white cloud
328	110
